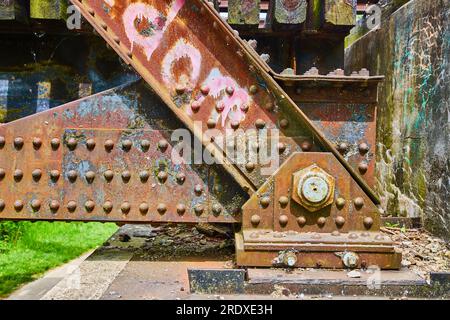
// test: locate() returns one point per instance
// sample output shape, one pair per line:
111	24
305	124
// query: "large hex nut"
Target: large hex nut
313	188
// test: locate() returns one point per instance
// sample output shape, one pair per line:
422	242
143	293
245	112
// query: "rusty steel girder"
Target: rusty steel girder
103	158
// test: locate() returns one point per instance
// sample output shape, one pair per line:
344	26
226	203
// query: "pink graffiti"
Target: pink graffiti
232	105
154	23
179	50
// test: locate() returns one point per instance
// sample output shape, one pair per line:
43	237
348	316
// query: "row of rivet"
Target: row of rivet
351	235
90	144
284	219
72	175
107	207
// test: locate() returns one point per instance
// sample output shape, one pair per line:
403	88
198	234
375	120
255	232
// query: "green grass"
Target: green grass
29	249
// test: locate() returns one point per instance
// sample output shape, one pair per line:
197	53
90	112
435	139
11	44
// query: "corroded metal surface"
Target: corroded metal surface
274	220
212	78
53	166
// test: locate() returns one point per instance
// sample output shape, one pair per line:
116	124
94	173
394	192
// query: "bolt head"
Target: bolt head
358	202
145	145
18	143
283	200
368	222
90	144
283	219
216	209
89	205
255	220
204	90
144	175
162	176
127	144
198	189
181	209
143	208
18	175
54	205
107	206
340	221
90	175
108	174
35	204
161	208
342	147
250	166
301	221
234	124
321	221
36	174
260	123
163	144
362	167
229	90
37	143
109	145
72	143
340	203
18	205
265	201
126	176
125	207
55	143
198	209
71	206
195	106
72	175
211	123
363	148
181	177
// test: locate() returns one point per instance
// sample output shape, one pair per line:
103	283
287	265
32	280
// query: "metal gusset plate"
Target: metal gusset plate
203	71
98	159
312	205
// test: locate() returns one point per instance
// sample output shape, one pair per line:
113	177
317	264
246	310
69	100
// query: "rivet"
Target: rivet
255	219
284	123
36	174
352	236
368	222
198	189
125	207
127	144
244	107
72	175
283	219
162	176
144	175
340	221
71	206
283	201
362	167
36	204
260	123
359	203
229	90
72	143
129	54
340	203
180	89
379	237
234	124
145	145
18	205
321	222
18	175
301	221
2	141
2	173
55	143
181	209
198	209
90	144
250	166
54	205
90	176
269	106
143	208
103	25
216	209
116	39
195	106
363	148
107	206
211	123
89	205
181	177
335	233
2	204
281	147
204	90
109	145
126	175
265	201
163	144
91	11
161	208
253	89
54	175
316	236
342	147
37	143
306	145
18	143
108	174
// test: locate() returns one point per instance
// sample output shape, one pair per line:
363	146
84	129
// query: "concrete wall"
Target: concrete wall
412	49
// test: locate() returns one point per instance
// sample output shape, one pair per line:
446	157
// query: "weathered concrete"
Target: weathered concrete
412	50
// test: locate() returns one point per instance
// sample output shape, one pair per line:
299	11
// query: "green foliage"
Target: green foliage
29	249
